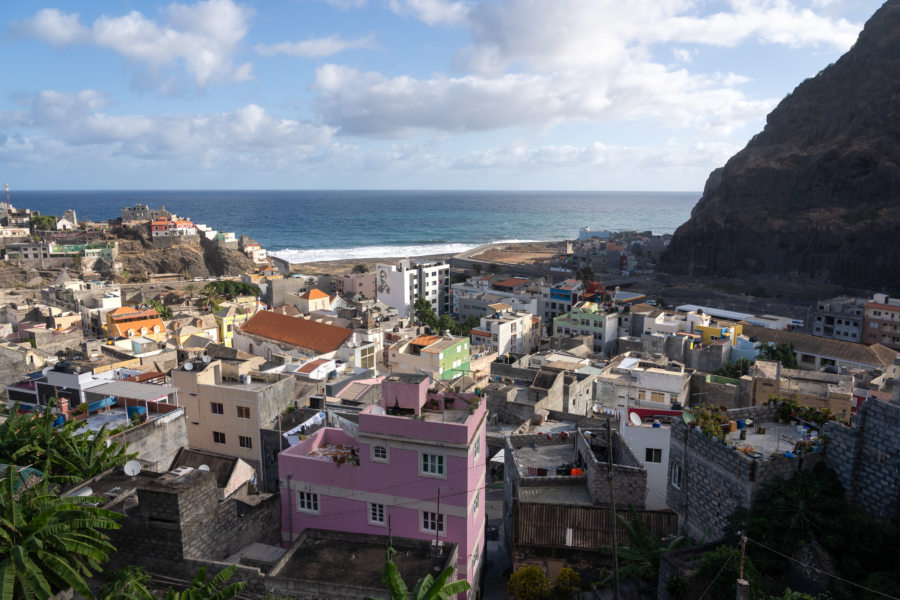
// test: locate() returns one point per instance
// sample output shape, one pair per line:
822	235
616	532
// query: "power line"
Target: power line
725	564
832	575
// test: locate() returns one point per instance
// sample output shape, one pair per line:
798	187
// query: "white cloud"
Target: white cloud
78	120
315	48
203	37
432	12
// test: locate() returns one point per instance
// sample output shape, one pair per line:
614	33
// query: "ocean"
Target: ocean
305	226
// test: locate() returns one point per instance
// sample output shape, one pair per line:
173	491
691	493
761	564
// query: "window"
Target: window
308	502
216	408
245	441
380	454
243	412
476	502
657	397
218	437
477	451
654	455
376	514
432	464
676	475
432	522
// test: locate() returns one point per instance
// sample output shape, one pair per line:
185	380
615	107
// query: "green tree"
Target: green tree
42	222
230	289
128	583
644	548
209	299
566	585
213	589
528	583
734	370
424	313
427	588
360	268
585	274
783	352
85	454
49	543
164	311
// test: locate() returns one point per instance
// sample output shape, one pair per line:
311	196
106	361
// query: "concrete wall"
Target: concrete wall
712	393
866	458
629	476
716	480
157	442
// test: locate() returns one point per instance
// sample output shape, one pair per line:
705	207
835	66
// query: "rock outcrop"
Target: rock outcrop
816	194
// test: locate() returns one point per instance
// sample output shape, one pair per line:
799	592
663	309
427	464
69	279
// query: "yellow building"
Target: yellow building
713	333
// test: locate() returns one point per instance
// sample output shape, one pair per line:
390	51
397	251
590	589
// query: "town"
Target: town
509	425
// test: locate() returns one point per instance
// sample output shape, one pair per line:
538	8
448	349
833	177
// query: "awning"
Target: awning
133	390
500	457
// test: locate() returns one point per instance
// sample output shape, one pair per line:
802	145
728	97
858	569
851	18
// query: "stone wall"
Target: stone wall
716	479
182	519
166	241
629	478
512	372
50	341
866	458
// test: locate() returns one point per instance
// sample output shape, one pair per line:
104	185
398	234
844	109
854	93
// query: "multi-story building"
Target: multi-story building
633	381
142	212
840	318
351	284
172	228
415	462
508	331
647	432
473	298
589	318
225	417
399	285
445	357
882	321
127	322
558	299
229	317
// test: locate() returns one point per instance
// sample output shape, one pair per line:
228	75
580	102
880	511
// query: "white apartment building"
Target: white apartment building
632	382
399	285
509	331
474	297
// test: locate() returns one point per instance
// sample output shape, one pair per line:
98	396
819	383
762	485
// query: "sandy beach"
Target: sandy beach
508	253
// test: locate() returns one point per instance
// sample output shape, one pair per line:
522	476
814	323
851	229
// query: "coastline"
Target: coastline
497	252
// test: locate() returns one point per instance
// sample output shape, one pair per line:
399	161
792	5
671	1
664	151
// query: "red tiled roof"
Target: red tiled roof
314	294
511	282
297	332
312	365
479	332
425	340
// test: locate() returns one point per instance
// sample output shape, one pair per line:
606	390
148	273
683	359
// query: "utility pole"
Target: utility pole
743	586
612	504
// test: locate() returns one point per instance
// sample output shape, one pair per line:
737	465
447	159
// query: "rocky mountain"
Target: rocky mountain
815	195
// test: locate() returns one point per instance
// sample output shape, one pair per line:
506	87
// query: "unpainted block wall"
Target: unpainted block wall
866	458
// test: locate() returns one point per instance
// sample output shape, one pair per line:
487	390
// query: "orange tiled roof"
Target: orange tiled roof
136	326
297	332
126	312
425	340
511	282
479	332
314	294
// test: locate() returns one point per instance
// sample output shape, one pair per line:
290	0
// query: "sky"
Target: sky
645	95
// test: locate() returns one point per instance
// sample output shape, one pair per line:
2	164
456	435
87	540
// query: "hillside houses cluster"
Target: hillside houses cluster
320	414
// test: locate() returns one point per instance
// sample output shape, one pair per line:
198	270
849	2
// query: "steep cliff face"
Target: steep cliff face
139	257
816	194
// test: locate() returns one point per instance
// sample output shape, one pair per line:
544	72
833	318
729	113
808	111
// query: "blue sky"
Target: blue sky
400	94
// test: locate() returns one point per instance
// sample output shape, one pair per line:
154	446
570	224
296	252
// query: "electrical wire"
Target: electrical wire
725	564
822	571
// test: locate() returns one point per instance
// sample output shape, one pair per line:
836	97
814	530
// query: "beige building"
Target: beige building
314	300
225	417
882	321
809	388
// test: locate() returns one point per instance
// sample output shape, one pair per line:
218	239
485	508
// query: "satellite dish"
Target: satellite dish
206	358
188	366
203	467
634	418
378	410
85	491
132	468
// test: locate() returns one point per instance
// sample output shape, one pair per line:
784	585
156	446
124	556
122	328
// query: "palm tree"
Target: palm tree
49	543
643	550
427	588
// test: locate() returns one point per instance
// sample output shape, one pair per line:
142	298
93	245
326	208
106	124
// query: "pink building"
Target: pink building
417	461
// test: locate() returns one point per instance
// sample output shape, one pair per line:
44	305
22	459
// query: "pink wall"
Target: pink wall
403	394
396	484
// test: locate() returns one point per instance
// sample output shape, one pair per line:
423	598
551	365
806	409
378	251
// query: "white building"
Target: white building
647	432
633	382
399	285
509	331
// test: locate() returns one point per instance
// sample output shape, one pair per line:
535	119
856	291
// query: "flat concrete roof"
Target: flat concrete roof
556	494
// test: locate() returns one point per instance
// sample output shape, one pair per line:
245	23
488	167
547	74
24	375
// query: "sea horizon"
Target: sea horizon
319	225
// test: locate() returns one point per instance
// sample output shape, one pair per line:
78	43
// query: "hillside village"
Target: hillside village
486	417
